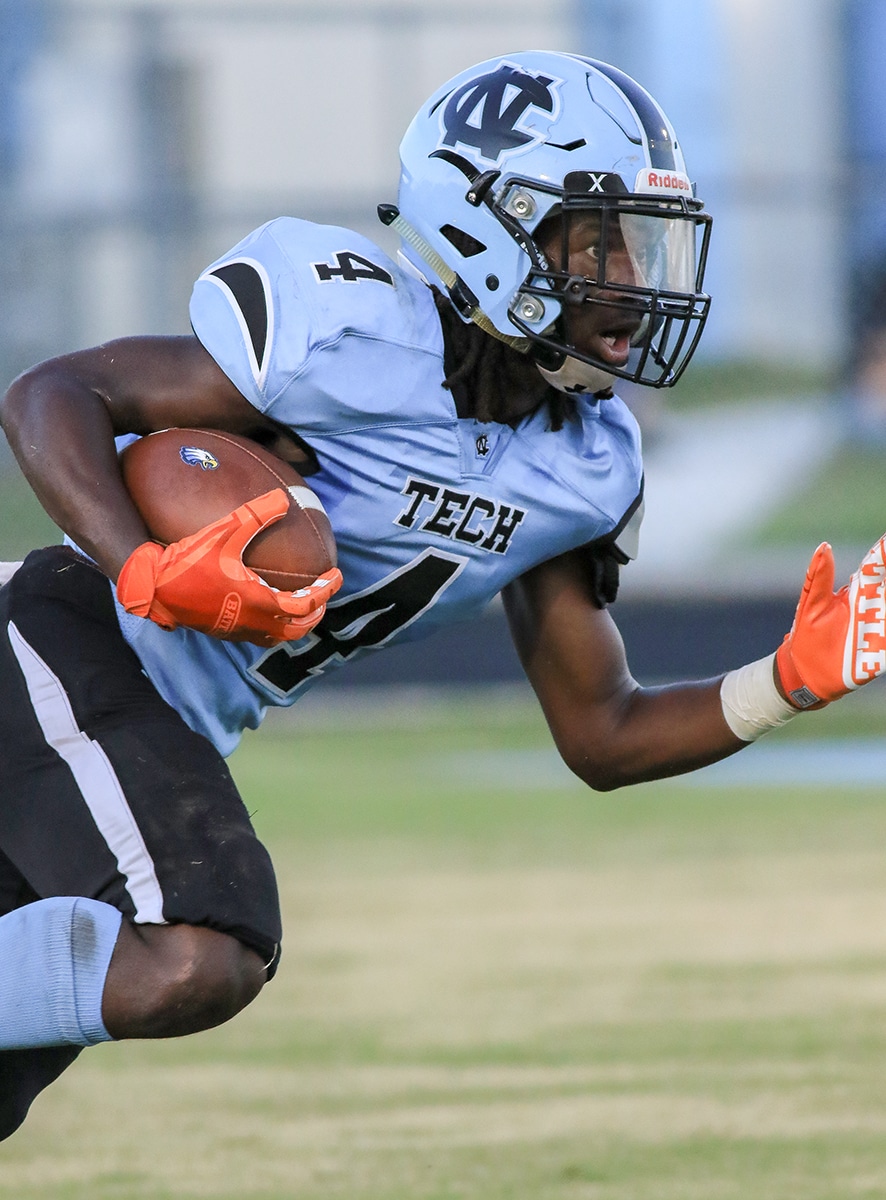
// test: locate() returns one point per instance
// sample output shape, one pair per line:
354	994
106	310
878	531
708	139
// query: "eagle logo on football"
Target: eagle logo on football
193	456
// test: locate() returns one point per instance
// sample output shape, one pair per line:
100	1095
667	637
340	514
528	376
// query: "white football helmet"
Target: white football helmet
516	140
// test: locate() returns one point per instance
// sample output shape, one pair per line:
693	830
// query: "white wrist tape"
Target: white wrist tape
752	704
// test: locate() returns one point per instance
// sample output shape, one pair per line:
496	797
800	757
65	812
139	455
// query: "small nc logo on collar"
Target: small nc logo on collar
482	445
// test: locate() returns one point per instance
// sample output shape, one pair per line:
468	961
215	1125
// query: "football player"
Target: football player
455	412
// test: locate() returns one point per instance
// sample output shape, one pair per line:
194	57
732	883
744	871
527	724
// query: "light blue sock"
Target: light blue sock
54	958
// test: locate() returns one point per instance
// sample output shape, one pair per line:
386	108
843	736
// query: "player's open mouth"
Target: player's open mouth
613	346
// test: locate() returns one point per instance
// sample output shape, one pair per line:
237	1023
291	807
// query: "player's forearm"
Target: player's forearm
646	734
62	436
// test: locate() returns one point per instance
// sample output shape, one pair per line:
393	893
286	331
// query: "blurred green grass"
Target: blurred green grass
738	382
23	523
492	992
840	502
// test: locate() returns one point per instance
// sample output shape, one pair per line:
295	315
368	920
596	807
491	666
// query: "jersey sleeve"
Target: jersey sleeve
625	538
606	555
236	309
307	322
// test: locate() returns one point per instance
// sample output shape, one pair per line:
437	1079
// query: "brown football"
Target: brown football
183	479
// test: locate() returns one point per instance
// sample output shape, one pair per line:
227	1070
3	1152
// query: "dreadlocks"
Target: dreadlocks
484	375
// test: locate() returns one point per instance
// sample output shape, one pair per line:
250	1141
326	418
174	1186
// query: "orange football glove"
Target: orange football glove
202	582
838	640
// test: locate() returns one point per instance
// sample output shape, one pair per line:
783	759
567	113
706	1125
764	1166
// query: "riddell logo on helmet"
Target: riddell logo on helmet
662	181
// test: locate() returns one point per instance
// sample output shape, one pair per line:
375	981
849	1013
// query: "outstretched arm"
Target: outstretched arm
608	729
612	732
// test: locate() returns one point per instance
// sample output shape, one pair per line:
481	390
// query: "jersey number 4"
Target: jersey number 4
351	268
364	621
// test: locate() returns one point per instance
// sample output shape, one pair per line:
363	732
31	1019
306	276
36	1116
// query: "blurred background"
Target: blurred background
139	140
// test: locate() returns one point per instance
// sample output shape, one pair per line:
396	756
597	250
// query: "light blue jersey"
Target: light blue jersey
433	515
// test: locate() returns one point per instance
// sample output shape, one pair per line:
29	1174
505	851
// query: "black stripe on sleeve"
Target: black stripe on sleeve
247	288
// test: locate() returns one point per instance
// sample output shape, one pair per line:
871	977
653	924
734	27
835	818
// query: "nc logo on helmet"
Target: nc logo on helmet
486	112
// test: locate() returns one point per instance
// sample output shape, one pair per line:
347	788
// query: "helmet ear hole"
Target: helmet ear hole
465	243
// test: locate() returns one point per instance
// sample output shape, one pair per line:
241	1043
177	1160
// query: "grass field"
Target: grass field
497	990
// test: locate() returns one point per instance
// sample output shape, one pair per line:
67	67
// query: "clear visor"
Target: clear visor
625	271
662	250
612	245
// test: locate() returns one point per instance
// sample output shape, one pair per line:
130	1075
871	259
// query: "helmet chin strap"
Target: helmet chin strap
576	376
447	276
572	376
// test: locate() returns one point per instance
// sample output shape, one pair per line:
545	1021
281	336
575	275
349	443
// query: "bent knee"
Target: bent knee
171	980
